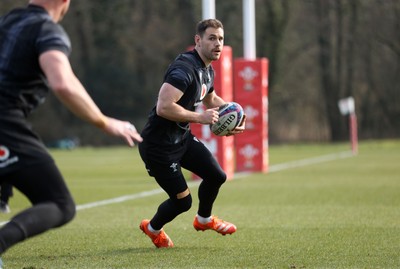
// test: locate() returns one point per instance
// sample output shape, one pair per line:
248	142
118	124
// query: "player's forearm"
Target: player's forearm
175	112
213	100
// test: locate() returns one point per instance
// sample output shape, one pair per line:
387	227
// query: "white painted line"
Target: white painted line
272	169
309	161
119	199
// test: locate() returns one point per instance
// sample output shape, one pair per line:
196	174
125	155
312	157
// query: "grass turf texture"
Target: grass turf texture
343	213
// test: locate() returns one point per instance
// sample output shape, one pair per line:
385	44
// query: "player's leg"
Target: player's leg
199	160
164	165
52	204
165	168
179	201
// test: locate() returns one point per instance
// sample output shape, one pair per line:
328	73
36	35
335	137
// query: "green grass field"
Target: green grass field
339	213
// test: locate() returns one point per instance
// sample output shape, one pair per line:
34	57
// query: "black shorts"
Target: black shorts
19	145
26	164
166	161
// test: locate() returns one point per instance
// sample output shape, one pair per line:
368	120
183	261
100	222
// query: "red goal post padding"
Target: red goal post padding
251	92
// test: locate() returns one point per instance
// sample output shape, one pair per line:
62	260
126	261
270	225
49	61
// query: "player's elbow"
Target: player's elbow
63	86
63	91
162	110
59	87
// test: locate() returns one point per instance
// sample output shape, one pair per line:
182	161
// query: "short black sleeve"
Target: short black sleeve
179	75
52	36
26	33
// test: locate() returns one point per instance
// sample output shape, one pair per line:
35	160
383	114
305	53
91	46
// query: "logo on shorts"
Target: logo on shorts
173	166
5	159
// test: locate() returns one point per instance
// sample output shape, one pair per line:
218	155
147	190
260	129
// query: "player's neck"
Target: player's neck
53	9
205	60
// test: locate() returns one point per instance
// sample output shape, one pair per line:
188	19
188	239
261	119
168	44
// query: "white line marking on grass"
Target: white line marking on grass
300	163
119	199
309	161
271	169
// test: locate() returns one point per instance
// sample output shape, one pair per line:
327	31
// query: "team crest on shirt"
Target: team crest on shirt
5	159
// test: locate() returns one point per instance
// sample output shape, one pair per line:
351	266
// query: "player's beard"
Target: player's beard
214	56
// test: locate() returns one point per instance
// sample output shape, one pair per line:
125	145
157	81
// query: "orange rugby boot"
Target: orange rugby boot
160	240
215	224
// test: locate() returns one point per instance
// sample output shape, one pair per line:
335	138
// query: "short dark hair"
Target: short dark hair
204	24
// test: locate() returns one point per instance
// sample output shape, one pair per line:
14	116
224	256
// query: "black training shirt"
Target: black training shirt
25	33
189	74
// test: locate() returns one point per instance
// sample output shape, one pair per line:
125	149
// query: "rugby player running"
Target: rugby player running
168	144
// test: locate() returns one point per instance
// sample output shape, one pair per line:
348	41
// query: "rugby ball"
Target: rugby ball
230	116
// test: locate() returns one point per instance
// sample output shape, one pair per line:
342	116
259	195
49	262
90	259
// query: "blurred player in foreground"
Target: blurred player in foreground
169	145
34	52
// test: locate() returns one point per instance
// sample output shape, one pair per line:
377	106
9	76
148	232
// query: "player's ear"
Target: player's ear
197	39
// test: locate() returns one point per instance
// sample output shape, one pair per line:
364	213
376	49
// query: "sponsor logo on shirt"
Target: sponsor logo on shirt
203	94
203	91
5	159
